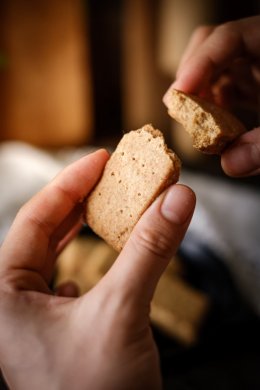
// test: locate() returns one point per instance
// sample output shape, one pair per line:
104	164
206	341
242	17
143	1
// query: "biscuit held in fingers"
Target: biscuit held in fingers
153	242
140	169
211	127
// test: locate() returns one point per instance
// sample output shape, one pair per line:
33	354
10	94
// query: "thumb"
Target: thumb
242	158
153	242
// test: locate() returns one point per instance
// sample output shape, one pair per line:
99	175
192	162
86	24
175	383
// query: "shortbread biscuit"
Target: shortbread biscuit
140	168
210	126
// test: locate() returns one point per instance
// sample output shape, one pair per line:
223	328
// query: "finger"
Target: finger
68	238
247	90
47	269
66	230
243	157
226	43
27	243
213	56
152	244
197	38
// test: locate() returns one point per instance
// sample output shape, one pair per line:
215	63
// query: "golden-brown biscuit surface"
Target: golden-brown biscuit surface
140	168
210	126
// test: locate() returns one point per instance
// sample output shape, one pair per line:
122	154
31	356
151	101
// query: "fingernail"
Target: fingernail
242	159
178	204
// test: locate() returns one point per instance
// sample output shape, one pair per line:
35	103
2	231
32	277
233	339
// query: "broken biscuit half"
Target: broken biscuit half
211	127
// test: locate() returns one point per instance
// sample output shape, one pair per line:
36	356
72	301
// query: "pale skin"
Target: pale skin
222	63
103	339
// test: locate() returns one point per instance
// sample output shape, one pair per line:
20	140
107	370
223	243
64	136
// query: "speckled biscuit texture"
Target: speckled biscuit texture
211	127
140	168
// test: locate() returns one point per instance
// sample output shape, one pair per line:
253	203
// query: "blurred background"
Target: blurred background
80	72
76	75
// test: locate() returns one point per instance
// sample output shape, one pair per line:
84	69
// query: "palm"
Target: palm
103	339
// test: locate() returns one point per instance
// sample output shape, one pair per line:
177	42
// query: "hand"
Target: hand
101	340
223	64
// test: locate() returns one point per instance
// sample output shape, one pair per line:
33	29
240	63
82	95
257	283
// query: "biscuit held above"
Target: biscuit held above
211	127
140	168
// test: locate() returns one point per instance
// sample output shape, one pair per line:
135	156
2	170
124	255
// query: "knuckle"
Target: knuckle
227	26
202	31
227	30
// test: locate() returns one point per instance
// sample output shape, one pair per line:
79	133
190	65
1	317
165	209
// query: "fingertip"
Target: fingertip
100	153
241	160
178	204
227	165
